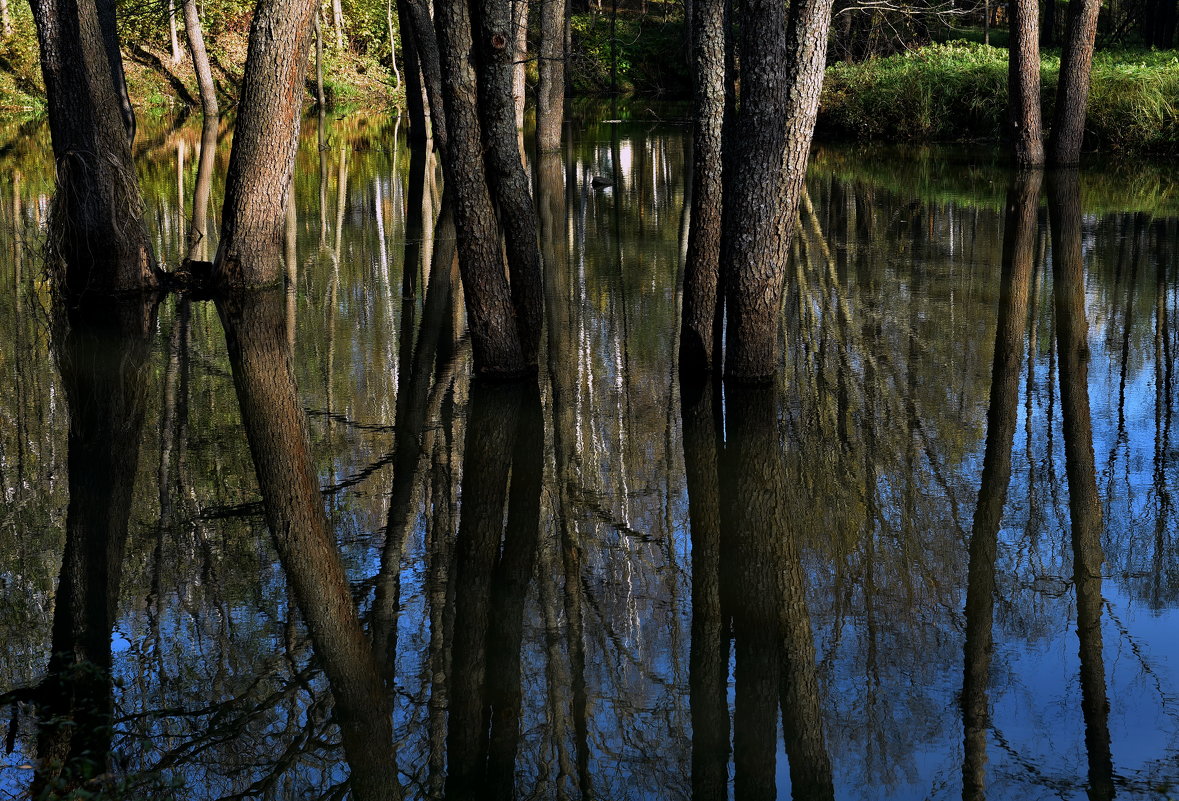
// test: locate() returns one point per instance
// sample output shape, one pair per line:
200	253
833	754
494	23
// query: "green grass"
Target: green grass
957	91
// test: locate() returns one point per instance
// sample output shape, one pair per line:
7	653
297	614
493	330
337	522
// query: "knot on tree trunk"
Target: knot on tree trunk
498	41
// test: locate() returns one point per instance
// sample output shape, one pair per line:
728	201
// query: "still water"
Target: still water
936	558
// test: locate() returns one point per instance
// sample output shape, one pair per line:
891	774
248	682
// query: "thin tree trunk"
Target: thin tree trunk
1019	240
519	57
200	59
782	63
264	145
1023	84
1072	90
427	42
173	38
550	90
495	338
96	219
1072	335
417	105
392	44
198	232
338	23
110	37
5	19
702	314
509	183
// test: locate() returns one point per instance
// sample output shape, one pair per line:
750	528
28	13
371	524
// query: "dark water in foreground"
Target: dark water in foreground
558	577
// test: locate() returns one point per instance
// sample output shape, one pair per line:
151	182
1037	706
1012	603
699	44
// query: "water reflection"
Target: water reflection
349	568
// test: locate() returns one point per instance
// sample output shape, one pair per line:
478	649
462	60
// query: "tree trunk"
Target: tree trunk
1019	243
96	224
5	19
264	145
1072	91
104	347
550	90
173	38
708	670
1072	336
782	63
702	315
200	59
198	231
509	183
416	104
495	339
276	428
338	24
427	42
1023	84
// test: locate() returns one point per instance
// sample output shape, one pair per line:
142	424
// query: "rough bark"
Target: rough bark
1023	84
782	63
95	226
276	429
1019	242
1072	337
550	90
200	59
264	145
1072	89
509	183
491	317
702	312
417	14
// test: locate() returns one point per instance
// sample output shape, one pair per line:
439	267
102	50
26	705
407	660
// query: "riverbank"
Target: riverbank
957	92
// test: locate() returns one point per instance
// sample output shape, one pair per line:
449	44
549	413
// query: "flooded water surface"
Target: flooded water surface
937	557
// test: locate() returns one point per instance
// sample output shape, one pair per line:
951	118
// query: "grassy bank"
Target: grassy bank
958	92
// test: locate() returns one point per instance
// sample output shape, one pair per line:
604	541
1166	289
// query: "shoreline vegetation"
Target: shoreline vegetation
944	92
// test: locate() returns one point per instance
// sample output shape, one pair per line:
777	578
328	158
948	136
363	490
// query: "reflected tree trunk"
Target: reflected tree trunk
276	428
1072	336
103	349
198	231
709	652
1019	242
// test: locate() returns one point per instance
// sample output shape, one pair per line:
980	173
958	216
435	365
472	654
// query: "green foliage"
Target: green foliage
957	91
650	52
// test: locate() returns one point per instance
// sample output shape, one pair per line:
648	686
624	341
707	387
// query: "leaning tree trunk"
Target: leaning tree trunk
497	48
264	145
415	15
1023	84
96	222
200	59
702	312
550	90
1072	91
495	340
781	78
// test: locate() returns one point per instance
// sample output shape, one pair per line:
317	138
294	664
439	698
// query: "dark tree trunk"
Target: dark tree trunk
276	428
1072	90
709	652
496	48
430	58
1048	28
114	55
1019	243
416	104
1072	336
103	354
264	145
495	338
1023	84
702	316
200	59
781	62
95	226
550	90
